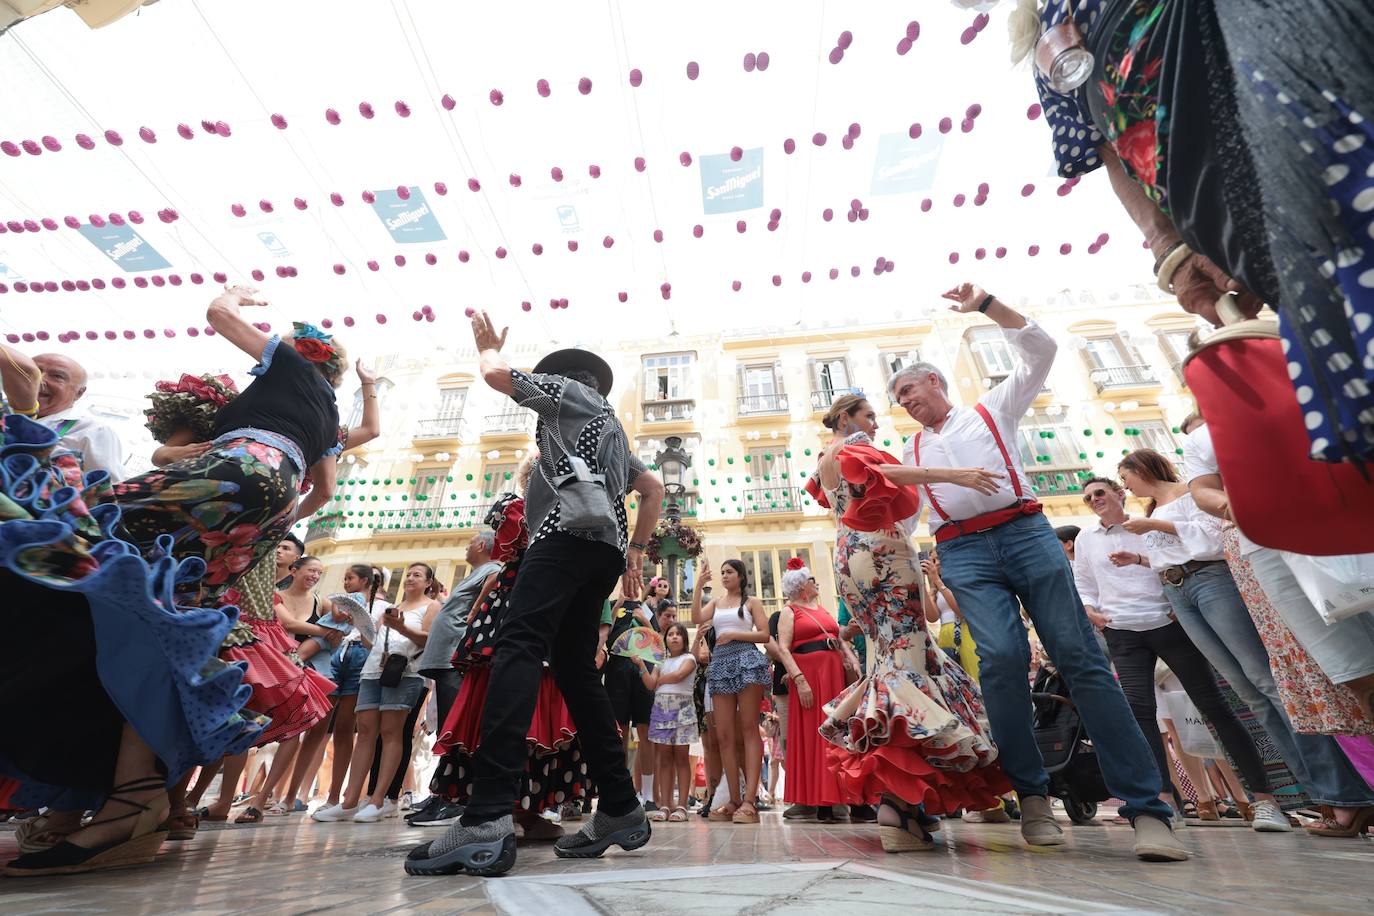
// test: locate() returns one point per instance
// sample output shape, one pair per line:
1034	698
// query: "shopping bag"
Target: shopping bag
1338	587
1191	727
1279	496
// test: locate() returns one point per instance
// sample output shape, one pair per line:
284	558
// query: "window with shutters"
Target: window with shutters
1157	435
991	352
355	414
830	378
895	361
668	387
1052	456
761	389
1114	363
1175	345
448	416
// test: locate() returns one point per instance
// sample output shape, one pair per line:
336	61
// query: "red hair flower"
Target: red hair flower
795	563
316	351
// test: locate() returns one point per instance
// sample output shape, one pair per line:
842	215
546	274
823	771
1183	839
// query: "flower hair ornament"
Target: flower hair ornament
795	578
191	402
316	346
796	563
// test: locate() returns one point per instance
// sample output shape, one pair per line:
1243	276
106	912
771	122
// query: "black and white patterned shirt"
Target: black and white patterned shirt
584	420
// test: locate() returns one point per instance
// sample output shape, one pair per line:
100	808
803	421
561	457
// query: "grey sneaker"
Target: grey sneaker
485	850
1038	826
602	831
800	813
1269	818
1155	841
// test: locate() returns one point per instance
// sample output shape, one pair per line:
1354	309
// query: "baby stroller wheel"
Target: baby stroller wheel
1079	811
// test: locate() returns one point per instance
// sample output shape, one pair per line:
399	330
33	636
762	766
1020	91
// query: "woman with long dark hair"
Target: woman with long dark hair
1185	549
382	708
738	676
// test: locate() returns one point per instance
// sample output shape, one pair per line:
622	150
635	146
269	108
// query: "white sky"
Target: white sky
240	61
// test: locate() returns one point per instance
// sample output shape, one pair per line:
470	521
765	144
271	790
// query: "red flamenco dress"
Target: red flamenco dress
554	769
293	696
811	779
910	728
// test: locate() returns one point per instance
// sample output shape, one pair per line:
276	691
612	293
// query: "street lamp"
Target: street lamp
673	463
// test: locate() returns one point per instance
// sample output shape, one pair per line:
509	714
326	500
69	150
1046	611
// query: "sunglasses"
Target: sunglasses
1093	494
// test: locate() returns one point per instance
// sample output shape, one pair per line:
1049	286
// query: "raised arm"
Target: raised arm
19	379
701	614
371	426
323	481
495	369
223	315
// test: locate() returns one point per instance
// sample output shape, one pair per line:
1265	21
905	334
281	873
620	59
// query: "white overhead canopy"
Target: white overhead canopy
236	66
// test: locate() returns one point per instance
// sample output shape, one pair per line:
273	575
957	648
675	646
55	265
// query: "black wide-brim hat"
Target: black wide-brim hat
573	358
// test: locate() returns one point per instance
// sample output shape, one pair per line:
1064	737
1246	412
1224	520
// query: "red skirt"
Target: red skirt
295	698
7	789
554	769
811	777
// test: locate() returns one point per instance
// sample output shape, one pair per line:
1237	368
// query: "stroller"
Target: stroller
1075	777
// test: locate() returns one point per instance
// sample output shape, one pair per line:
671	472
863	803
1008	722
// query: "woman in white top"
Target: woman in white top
402	630
737	678
1184	547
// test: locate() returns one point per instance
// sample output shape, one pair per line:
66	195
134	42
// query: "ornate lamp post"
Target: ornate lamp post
673	463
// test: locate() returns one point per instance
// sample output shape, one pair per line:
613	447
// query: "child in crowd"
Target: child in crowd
343	609
672	723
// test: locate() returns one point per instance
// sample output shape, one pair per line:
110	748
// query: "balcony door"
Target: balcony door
829	378
761	389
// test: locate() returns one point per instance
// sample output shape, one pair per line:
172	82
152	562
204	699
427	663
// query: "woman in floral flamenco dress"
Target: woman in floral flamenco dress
909	731
554	770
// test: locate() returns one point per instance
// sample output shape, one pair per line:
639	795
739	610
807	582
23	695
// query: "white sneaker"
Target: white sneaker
407	800
1269	818
368	814
333	813
389	808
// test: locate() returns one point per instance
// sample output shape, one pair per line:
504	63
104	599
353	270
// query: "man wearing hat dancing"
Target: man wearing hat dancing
579	546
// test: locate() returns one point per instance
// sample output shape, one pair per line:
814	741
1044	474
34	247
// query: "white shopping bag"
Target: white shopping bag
1338	587
1192	730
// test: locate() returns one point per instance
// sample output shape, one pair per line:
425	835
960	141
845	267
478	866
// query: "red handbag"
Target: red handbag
1279	496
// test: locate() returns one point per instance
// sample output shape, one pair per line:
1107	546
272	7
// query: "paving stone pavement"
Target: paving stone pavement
291	865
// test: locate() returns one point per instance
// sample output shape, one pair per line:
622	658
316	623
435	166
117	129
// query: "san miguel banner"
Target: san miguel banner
410	220
903	165
727	185
125	247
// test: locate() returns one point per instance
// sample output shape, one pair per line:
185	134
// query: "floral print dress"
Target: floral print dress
910	728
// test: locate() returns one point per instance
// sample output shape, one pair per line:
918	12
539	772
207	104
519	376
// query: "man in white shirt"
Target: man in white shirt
999	552
63	384
1125	598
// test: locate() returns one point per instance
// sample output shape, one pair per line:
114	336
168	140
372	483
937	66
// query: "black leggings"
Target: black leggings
1134	653
447	683
407	748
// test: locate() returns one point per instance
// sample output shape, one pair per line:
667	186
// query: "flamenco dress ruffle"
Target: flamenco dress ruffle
294	697
93	637
554	771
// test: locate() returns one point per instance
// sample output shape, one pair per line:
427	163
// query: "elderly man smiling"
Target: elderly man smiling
62	385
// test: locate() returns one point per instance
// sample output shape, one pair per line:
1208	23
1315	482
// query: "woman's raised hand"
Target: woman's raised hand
238	294
365	374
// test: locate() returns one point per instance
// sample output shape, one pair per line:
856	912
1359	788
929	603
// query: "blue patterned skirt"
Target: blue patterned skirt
737	665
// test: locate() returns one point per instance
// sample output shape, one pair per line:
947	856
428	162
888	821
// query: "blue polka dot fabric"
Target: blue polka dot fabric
1340	142
1075	138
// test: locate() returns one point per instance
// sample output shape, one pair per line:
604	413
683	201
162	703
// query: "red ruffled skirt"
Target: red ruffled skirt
811	777
554	771
295	698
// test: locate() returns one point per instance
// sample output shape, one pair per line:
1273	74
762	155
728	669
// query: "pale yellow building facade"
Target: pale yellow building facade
748	406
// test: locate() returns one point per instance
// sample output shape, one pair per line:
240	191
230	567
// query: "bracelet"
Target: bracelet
637	546
1164	254
1170	264
983	306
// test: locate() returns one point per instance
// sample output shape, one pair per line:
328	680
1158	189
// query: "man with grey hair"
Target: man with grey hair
997	553
62	385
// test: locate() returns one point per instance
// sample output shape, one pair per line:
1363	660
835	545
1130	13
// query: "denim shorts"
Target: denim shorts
372	695
347	668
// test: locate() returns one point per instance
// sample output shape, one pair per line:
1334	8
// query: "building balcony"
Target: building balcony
453	429
1122	378
821	400
762	405
773	501
323	525
509	424
670	410
430	518
1062	480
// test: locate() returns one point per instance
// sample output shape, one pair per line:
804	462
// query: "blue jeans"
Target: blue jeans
992	573
1214	616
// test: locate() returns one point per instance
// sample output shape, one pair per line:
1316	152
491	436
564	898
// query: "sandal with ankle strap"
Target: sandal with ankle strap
745	814
1362	820
725	812
140	848
902	838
